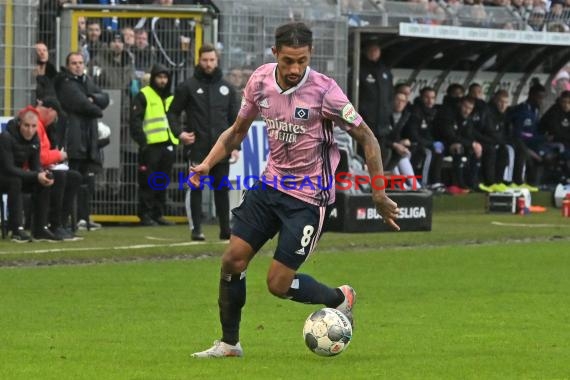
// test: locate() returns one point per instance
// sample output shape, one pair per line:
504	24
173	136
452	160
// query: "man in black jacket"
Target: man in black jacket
455	130
555	124
375	91
44	72
150	129
427	152
20	172
211	106
83	103
498	153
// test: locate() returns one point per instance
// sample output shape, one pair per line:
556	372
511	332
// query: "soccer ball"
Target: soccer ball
327	332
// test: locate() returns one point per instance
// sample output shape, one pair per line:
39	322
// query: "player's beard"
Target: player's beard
293	82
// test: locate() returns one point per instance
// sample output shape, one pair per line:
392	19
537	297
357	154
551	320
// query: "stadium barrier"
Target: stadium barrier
357	213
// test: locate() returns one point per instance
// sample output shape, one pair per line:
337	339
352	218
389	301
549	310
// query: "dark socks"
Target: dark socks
306	289
231	300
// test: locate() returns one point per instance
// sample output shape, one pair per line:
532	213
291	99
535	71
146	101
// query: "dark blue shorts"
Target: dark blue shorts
265	211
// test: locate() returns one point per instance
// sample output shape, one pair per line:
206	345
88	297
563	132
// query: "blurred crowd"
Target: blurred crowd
531	15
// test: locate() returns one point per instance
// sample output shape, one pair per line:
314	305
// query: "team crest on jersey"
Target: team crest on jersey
349	113
301	113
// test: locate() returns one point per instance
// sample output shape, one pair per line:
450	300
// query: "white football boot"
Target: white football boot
220	350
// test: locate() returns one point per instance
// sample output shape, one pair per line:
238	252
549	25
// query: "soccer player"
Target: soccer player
299	106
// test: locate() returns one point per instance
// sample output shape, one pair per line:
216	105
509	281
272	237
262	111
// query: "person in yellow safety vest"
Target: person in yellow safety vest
150	129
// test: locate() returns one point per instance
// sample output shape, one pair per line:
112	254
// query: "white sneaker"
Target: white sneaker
88	225
349	300
220	350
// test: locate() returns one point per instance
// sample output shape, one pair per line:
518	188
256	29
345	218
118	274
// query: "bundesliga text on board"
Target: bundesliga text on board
342	181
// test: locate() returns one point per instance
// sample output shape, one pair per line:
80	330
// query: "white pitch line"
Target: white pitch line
157	238
528	225
138	246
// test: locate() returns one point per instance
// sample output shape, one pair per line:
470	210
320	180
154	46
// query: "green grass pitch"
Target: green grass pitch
482	296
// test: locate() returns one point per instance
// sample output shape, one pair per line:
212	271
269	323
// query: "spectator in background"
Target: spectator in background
397	148
427	153
151	131
63	194
555	124
520	10
109	23
211	105
115	68
236	79
559	84
82	30
94	45
556	15
172	39
536	19
480	111
498	154
453	95
406	89
525	118
84	102
44	72
128	36
20	172
375	91
455	130
143	53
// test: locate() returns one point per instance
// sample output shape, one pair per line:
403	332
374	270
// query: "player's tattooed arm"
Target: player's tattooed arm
372	154
385	206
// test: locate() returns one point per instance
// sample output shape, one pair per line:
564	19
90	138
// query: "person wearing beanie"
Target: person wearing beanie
149	128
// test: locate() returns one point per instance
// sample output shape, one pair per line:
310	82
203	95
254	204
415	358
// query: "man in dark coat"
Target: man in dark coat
427	152
211	106
83	103
555	124
20	172
456	132
375	91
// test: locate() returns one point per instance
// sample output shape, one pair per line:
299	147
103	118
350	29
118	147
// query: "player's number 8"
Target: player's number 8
307	234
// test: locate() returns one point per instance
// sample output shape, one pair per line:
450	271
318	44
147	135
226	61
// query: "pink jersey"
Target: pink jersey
303	155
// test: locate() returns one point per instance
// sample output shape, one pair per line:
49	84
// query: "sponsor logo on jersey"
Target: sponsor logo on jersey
283	131
264	103
301	113
349	113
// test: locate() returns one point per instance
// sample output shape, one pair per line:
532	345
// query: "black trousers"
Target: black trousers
466	166
221	200
63	196
16	187
427	162
87	187
153	159
494	161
